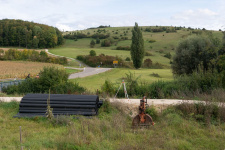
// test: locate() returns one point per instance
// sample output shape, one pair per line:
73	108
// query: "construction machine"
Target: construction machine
142	119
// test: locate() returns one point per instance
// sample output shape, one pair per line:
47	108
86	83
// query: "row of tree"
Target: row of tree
28	34
31	55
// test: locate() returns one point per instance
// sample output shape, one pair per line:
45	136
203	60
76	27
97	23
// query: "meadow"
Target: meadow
20	69
117	75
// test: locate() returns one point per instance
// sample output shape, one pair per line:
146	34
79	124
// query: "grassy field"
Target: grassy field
164	43
92	83
111	129
20	69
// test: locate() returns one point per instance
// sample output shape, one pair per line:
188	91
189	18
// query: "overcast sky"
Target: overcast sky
71	15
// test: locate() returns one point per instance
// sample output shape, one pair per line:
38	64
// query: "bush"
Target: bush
207	113
92	53
147	63
126	48
168	55
80	57
152	112
152	41
148	54
127	59
108	88
50	78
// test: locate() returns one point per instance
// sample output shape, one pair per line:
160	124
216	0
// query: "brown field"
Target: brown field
20	69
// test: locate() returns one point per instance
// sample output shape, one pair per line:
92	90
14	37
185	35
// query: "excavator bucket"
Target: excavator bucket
142	121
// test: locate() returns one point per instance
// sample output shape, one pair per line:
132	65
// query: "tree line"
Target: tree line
28	34
31	55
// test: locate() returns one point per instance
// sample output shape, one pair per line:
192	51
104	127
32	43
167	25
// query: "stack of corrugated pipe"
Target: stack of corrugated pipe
33	105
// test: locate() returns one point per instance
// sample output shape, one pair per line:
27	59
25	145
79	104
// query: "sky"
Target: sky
69	15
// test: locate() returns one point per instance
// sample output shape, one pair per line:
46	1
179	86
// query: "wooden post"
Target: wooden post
21	138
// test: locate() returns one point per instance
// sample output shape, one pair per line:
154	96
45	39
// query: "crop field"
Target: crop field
116	76
20	69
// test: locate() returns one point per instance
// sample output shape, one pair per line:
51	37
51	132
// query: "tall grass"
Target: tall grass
111	129
181	86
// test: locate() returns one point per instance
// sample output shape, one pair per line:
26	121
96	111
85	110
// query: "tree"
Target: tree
137	47
92	44
92	53
192	54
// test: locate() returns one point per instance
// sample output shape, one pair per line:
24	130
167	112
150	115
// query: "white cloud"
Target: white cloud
77	14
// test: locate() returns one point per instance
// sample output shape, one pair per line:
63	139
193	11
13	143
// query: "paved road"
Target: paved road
87	71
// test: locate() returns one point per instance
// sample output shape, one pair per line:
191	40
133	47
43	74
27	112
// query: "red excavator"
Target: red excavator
142	119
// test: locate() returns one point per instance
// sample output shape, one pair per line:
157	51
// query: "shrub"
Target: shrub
152	41
148	54
108	88
80	57
92	43
127	59
152	112
126	48
204	112
50	78
168	55
98	41
92	53
106	43
147	63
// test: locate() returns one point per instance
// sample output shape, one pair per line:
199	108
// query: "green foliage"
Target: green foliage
201	83
29	34
98	41
92	53
148	54
106	43
50	78
92	44
152	41
152	112
127	59
168	55
103	60
147	63
155	75
32	55
137	47
192	54
126	48
209	113
108	88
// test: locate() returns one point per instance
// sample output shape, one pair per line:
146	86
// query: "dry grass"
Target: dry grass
20	69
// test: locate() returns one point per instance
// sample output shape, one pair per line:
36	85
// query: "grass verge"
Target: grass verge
111	129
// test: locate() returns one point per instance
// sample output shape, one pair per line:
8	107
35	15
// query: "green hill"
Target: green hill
159	41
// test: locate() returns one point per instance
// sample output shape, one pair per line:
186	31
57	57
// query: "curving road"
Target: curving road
87	71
